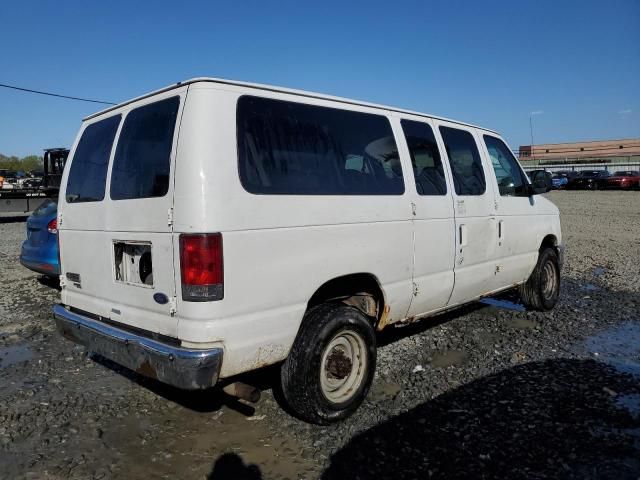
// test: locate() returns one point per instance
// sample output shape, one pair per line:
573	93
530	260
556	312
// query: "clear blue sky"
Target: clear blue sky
485	62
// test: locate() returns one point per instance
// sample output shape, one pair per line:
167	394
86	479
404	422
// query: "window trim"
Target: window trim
380	114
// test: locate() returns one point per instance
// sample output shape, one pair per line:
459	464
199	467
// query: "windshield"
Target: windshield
625	173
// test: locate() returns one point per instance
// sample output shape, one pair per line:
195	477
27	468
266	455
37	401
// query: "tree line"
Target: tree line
25	164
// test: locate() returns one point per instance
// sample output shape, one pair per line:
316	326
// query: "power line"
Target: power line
55	94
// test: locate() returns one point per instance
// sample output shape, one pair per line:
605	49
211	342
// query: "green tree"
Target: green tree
24	164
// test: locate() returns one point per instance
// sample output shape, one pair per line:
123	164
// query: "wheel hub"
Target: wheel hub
338	364
343	366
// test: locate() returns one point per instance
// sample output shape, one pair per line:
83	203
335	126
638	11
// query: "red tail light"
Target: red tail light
52	227
201	267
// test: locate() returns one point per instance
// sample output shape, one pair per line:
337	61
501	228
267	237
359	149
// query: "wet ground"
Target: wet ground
487	392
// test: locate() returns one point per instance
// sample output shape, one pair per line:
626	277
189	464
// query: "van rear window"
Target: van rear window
142	161
293	148
88	172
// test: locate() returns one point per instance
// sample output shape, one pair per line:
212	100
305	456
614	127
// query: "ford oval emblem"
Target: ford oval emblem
160	298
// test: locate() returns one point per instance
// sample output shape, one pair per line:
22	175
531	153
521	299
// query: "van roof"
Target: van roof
272	88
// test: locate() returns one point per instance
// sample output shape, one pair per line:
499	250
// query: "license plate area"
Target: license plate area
133	263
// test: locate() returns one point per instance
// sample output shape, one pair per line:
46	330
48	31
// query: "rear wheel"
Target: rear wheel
542	289
331	365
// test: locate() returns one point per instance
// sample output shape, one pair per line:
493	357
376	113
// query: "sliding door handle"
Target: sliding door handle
463	235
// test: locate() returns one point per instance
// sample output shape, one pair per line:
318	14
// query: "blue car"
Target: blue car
559	181
40	249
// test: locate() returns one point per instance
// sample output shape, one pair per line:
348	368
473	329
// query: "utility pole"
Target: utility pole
533	157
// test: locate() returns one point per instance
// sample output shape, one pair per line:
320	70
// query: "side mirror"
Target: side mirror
538	187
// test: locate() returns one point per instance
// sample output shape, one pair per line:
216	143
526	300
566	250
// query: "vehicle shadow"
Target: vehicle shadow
203	401
230	466
550	419
395	333
51	282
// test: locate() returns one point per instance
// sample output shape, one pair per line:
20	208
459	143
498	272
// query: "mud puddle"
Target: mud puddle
599	271
504	303
222	444
522	323
618	346
590	287
448	358
631	403
385	390
14	354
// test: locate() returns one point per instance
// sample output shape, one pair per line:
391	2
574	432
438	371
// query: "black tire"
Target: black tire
302	370
542	289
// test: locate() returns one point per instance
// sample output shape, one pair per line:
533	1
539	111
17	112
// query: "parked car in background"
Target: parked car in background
624	179
32	182
9	179
587	180
561	178
542	175
40	250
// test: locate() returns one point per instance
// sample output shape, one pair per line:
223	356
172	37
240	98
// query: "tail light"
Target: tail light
52	226
201	267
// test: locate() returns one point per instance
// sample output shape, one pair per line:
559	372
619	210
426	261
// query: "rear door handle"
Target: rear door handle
501	229
462	233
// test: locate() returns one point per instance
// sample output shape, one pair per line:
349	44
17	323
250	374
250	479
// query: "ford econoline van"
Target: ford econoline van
216	227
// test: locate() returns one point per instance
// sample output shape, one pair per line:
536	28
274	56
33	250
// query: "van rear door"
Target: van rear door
115	224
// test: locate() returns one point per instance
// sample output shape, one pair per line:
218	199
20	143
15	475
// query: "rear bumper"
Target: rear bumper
50	269
41	258
189	369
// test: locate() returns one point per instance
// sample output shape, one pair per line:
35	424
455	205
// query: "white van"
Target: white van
215	227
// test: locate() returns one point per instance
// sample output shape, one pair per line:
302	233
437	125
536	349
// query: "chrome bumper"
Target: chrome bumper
189	369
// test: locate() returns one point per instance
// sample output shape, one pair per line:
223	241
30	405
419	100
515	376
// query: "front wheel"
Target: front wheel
331	365
542	289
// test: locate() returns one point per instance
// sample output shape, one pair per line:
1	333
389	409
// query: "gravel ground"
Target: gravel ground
483	392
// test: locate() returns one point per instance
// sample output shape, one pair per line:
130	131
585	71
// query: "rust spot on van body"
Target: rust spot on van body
147	370
363	302
384	318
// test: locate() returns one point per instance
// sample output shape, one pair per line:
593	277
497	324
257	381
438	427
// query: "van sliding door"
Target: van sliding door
474	210
433	221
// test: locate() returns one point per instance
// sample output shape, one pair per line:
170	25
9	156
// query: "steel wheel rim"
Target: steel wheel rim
343	366
549	280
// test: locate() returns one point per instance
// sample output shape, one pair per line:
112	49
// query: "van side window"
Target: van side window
511	180
425	158
88	172
466	165
293	148
142	160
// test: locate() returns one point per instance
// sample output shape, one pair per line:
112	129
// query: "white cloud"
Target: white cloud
626	111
